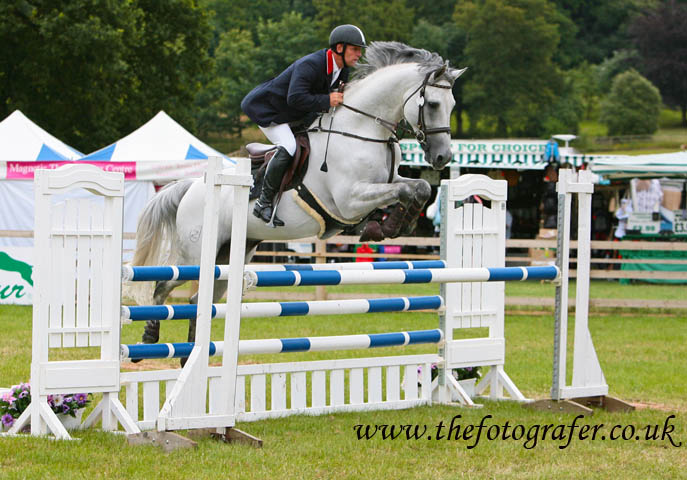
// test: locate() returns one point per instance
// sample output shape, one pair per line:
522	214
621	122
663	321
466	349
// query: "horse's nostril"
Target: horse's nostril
440	159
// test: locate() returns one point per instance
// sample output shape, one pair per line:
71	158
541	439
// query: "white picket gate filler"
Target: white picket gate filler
74	309
78	251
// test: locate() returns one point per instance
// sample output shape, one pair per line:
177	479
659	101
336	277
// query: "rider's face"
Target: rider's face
353	53
351	56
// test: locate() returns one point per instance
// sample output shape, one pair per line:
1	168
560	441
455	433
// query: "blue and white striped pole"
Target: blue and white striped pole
285	309
191	272
393	265
285	345
360	277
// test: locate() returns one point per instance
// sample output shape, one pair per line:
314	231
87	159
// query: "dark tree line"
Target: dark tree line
91	71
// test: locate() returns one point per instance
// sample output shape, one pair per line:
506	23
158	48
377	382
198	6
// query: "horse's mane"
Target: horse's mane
383	54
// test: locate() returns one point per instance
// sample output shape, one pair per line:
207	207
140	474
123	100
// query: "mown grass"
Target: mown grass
643	355
670	137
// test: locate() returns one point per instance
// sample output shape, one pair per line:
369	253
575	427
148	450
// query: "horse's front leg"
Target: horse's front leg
366	197
421	193
363	197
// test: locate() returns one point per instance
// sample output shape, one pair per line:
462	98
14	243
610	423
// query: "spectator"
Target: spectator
433	213
622	214
648	195
551	153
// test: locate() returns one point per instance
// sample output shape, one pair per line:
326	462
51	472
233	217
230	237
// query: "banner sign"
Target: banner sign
514	154
16	275
162	171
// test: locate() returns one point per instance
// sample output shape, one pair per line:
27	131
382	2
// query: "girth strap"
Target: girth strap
329	224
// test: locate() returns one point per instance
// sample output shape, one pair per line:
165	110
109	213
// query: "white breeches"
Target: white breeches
281	135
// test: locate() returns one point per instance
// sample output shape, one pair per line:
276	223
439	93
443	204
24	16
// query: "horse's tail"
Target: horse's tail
156	230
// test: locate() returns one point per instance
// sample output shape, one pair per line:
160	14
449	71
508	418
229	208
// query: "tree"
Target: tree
621	61
91	71
219	103
168	60
448	40
283	42
509	50
378	19
600	28
632	107
240	65
661	36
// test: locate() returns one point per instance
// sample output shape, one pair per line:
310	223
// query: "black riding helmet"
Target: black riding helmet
348	35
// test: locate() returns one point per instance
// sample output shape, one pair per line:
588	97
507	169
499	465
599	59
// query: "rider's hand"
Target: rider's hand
335	98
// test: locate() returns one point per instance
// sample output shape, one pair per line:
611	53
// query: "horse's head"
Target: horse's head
428	108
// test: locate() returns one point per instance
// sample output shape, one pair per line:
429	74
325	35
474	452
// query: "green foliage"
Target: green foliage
512	78
378	19
283	42
584	78
660	36
91	71
448	40
621	61
600	28
632	107
219	102
565	113
247	14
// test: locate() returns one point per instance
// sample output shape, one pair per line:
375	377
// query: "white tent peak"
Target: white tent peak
24	141
159	139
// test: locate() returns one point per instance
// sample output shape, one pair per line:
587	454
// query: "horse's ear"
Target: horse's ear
440	71
455	73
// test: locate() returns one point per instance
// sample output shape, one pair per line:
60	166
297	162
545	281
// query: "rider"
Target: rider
307	86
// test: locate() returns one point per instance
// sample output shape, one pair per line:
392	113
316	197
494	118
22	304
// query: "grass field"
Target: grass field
643	354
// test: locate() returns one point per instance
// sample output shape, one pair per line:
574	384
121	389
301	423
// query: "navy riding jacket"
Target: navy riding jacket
301	89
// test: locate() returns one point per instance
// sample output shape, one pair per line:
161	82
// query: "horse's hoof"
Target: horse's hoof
150	337
373	232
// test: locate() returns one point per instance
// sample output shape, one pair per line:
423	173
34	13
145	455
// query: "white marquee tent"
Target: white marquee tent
157	152
24	147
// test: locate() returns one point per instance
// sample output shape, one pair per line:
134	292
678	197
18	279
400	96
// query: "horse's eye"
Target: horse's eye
433	104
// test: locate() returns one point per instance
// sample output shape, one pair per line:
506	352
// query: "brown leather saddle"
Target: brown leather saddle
260	154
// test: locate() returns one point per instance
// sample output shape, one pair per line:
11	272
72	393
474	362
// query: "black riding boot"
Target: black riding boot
270	186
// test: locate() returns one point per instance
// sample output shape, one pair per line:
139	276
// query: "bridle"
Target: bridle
422	131
404	125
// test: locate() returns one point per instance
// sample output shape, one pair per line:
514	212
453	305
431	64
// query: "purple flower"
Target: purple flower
24	394
68	399
7	420
65	408
81	398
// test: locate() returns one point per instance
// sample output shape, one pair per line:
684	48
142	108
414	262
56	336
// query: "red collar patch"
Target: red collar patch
330	61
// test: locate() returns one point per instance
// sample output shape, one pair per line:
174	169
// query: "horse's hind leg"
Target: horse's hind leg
218	289
220	286
151	332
